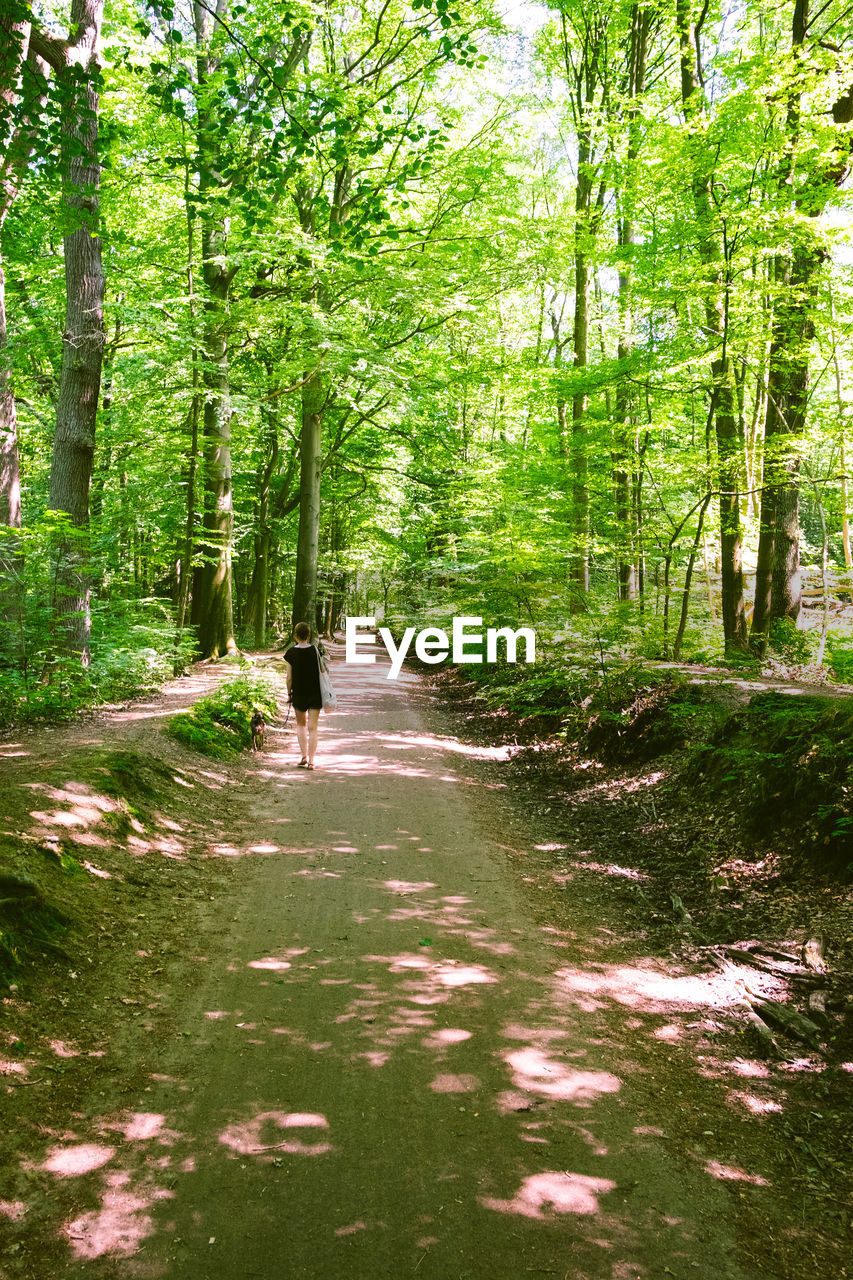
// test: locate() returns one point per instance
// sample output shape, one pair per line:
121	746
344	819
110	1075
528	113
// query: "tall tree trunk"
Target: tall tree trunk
104	456
789	388
845	507
14	48
779	587
216	623
561	401
578	446
584	47
723	401
775	417
261	581
258	594
185	562
16	136
315	394
624	430
215	606
83	336
187	550
10	474
842	448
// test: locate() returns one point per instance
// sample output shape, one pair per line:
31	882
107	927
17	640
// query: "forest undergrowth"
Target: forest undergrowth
638	794
706	826
741	802
114	859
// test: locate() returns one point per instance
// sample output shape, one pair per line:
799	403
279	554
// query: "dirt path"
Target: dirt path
383	1064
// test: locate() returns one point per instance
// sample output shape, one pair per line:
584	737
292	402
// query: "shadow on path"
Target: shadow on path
388	1068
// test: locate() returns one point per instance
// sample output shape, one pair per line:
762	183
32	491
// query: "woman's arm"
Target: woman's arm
288	676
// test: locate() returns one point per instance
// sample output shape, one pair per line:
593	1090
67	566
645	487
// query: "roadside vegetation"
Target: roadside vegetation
282	340
219	725
727	800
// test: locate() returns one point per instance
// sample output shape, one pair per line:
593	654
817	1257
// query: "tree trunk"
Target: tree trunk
316	391
723	400
579	460
258	593
216	622
315	394
186	580
10	475
261	590
186	556
584	47
561	404
215	607
14	47
731	541
844	479
788	381
102	470
845	511
688	580
790	387
83	336
624	432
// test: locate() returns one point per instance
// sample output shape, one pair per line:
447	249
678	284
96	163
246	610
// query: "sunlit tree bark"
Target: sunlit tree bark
723	401
796	273
624	455
77	66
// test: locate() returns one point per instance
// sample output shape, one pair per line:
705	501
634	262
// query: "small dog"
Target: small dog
258	727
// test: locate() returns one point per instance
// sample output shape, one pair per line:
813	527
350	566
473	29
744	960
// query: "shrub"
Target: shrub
28	923
839	656
616	712
134	643
637	714
135	648
219	725
795	646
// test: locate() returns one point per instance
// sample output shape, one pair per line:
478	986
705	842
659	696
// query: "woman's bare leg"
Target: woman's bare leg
302	733
313	719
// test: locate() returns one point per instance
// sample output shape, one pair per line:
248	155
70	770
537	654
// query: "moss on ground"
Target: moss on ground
787	763
783	762
103	807
219	725
30	926
639	715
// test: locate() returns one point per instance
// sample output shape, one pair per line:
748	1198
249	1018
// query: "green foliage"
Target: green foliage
787	761
135	646
840	658
791	643
612	711
550	688
219	724
429	240
29	925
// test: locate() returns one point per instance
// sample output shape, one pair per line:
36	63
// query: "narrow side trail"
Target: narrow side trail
384	1067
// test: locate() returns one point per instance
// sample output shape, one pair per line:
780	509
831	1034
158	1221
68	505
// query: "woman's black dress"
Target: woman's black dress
305	689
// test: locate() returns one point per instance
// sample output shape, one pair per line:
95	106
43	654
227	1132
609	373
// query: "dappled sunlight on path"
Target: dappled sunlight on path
386	1067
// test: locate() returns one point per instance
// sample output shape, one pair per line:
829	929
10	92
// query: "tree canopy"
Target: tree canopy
417	309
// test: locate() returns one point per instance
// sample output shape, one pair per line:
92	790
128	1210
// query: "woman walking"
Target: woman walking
303	690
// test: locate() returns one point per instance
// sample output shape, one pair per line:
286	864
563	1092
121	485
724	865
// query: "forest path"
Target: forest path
387	1066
